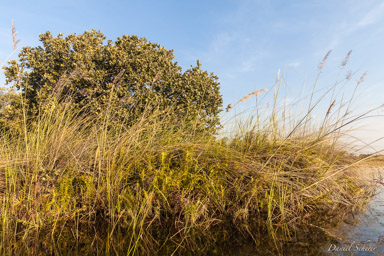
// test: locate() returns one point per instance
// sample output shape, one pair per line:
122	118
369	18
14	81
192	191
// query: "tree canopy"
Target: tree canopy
130	72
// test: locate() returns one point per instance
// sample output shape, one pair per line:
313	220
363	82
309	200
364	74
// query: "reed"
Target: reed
76	182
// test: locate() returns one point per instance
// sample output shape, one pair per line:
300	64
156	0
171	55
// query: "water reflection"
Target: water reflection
362	234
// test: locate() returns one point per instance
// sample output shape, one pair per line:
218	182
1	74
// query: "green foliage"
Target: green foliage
131	73
10	109
75	182
145	190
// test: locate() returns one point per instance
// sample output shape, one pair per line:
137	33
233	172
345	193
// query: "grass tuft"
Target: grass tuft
76	182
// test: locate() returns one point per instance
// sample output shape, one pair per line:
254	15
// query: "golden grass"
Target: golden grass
79	183
73	182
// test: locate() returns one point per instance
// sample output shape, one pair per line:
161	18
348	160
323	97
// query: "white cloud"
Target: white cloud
374	15
294	64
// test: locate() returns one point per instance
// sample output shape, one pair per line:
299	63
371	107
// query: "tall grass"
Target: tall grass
79	183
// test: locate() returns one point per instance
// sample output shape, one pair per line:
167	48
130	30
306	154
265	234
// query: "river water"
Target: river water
362	234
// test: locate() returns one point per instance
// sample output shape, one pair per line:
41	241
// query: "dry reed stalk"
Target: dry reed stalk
14	34
117	78
228	107
348	75
345	60
362	78
330	107
322	63
257	92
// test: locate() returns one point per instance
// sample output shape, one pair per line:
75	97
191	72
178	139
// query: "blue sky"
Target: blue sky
244	42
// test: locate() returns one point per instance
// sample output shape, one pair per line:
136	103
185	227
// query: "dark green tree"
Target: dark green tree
130	73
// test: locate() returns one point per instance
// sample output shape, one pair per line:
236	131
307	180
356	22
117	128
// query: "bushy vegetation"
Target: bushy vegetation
130	73
79	179
74	183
